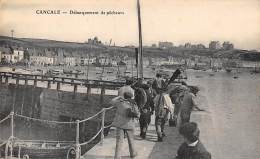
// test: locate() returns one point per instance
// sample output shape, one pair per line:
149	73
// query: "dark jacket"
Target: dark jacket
193	152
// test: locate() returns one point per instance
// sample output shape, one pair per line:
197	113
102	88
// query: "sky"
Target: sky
177	21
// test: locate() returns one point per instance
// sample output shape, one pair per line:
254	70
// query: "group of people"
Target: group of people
140	101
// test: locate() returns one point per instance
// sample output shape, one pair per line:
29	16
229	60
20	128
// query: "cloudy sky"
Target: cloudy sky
177	21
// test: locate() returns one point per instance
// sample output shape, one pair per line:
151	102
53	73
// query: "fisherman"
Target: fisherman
188	104
162	106
146	111
176	96
158	83
126	88
192	148
124	123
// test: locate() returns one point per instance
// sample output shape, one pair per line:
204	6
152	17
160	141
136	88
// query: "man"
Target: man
188	104
192	148
124	123
146	111
158	83
126	88
162	106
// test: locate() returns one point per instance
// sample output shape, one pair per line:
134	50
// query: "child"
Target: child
192	148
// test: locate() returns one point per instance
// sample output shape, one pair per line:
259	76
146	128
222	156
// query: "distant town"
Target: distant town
40	52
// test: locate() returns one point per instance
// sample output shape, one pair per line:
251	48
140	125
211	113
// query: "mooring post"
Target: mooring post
88	90
6	79
35	81
72	82
77	141
58	85
53	80
102	126
26	81
49	84
17	80
12	124
102	94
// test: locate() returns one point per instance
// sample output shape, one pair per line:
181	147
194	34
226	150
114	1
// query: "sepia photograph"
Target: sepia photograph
123	79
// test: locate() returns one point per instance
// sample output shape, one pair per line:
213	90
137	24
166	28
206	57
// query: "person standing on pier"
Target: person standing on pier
126	88
192	148
162	106
126	112
146	111
158	83
188	104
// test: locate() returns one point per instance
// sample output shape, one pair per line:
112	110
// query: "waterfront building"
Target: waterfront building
41	60
69	61
165	45
214	45
187	45
11	55
227	45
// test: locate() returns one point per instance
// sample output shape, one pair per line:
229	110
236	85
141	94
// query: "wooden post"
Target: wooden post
88	90
49	85
58	85
1	79
53	80
17	80
35	81
75	88
77	141
102	94
6	79
102	126
72	82
26	81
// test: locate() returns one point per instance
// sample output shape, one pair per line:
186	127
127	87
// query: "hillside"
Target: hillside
82	49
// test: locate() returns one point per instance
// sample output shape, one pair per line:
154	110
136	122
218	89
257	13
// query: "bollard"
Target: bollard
77	141
102	94
49	84
102	126
58	85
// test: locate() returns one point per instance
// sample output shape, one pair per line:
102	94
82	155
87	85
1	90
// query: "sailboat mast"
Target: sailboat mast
140	49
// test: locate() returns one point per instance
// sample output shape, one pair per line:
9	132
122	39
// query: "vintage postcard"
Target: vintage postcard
144	79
